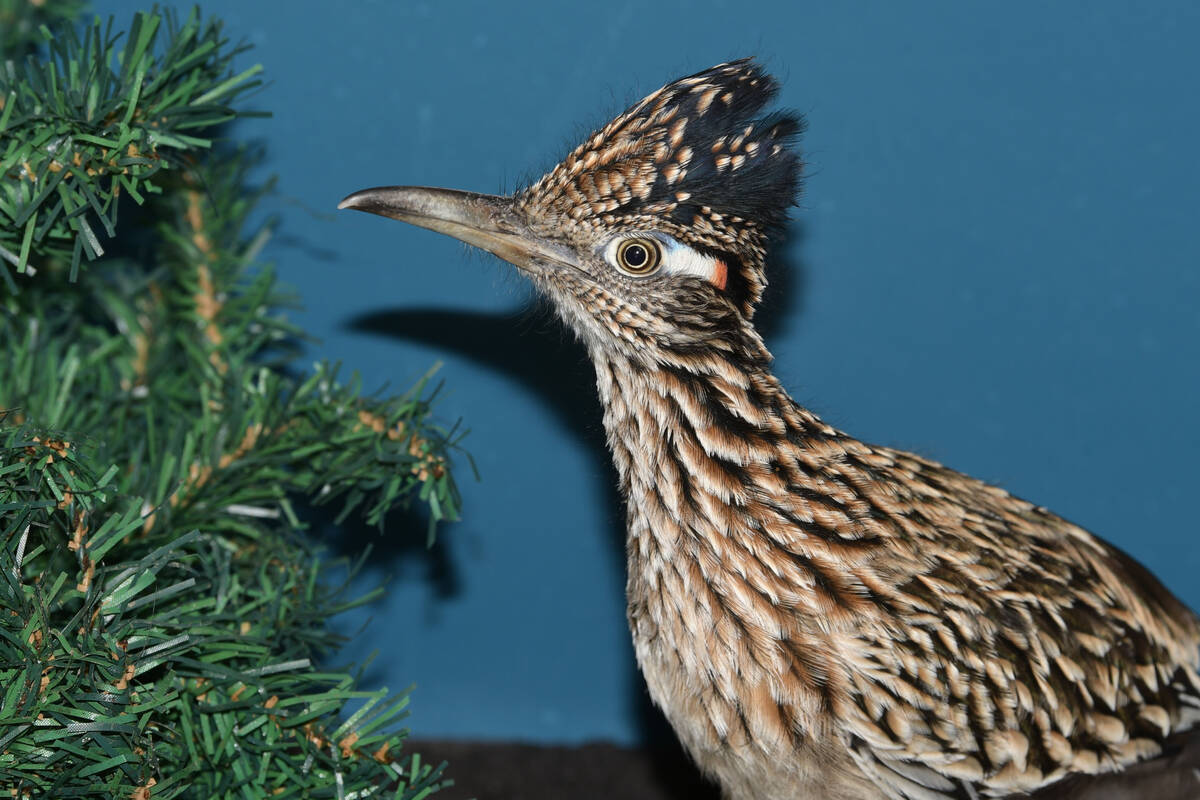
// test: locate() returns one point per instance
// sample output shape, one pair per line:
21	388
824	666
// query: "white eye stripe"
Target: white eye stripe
680	259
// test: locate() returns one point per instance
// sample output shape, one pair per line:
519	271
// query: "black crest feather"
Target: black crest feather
767	181
697	159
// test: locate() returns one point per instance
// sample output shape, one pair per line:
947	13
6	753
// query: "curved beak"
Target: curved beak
487	221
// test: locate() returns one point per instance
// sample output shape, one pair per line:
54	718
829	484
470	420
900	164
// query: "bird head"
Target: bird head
651	235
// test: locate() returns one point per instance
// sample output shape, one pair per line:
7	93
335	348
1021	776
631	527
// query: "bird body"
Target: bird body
817	617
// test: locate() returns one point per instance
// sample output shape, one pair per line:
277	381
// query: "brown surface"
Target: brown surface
507	771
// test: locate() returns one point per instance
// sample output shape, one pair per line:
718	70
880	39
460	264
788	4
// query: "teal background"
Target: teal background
995	264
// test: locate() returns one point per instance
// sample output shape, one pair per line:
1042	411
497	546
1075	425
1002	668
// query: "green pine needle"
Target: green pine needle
98	114
162	613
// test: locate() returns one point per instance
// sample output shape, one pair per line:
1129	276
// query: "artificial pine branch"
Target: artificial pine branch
179	667
102	114
161	612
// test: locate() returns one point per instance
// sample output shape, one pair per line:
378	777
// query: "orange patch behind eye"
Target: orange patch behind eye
720	274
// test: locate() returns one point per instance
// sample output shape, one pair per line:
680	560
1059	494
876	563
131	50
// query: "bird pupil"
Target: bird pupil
635	255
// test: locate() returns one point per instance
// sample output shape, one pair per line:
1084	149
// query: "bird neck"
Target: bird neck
684	427
720	466
742	525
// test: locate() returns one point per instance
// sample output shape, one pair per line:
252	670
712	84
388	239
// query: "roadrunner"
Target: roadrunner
818	617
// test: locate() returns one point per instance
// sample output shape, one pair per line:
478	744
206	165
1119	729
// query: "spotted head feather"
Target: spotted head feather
695	160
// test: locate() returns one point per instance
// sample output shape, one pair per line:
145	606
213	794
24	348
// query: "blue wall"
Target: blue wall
996	264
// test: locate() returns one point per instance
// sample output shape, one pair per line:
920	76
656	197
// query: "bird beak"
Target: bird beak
486	221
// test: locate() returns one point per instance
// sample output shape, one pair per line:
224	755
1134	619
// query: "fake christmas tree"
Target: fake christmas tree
162	612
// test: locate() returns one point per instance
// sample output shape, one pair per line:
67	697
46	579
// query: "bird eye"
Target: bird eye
638	257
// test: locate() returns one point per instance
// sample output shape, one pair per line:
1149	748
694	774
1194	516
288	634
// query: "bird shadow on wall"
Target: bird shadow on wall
546	361
401	541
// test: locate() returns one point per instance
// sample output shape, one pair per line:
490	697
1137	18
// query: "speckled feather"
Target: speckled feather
820	617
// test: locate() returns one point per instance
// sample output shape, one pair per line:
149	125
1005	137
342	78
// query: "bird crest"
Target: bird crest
695	159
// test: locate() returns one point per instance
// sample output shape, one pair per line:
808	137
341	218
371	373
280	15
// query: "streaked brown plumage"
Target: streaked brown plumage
818	617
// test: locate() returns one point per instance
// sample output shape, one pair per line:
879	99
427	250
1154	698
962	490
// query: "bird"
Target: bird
818	618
